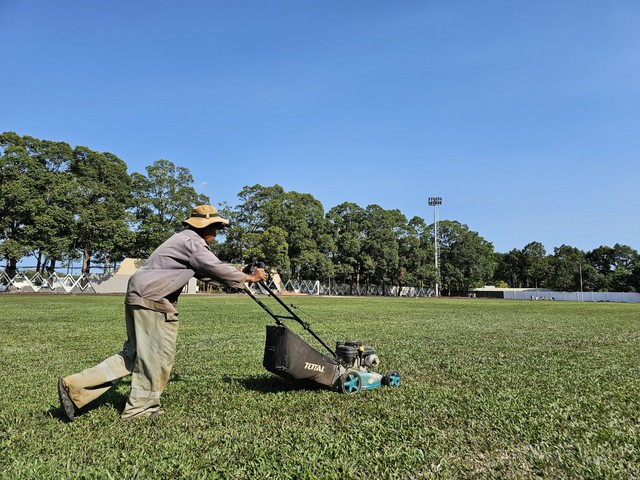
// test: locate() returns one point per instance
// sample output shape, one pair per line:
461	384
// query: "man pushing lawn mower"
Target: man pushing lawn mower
152	319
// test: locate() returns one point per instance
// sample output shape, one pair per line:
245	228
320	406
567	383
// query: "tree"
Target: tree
376	246
614	266
570	271
18	194
420	261
417	255
626	260
345	224
259	207
162	199
51	232
299	215
602	259
509	268
269	247
36	200
16	205
275	250
382	230
303	218
466	258
634	278
535	265
526	268
249	220
104	195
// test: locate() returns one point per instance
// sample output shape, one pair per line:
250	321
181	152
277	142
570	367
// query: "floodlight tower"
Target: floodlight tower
435	202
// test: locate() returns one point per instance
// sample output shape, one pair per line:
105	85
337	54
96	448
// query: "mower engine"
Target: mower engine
358	359
357	355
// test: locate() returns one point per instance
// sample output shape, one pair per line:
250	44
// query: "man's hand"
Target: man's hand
258	275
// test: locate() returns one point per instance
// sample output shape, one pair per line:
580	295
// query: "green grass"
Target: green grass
490	389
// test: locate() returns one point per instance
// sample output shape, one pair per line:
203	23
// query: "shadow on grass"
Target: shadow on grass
269	384
117	399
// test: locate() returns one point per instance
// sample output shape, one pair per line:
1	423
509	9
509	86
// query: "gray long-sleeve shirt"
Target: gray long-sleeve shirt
158	282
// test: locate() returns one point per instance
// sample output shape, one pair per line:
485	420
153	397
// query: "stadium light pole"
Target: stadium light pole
435	202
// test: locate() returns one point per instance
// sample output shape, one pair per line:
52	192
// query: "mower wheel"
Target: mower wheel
350	383
391	379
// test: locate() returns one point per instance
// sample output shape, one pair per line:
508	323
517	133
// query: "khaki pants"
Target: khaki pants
148	354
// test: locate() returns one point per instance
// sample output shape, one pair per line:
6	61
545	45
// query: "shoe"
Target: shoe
155	413
66	403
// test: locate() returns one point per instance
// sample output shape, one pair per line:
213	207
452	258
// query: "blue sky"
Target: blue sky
523	116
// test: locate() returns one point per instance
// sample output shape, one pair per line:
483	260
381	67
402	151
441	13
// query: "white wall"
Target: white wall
528	294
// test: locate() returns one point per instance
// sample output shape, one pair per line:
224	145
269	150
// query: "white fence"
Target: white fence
314	287
49	283
109	283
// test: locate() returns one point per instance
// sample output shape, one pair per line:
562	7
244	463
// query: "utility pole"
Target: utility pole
581	292
435	202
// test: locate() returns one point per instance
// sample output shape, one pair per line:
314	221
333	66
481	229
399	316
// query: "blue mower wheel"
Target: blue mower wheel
391	379
350	383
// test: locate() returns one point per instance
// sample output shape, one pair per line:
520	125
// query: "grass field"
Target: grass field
490	389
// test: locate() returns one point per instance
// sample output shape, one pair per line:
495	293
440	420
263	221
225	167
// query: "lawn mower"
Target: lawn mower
347	369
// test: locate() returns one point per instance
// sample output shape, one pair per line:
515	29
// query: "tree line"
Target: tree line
60	204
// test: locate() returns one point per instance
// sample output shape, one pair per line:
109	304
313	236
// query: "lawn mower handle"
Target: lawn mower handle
250	268
278	318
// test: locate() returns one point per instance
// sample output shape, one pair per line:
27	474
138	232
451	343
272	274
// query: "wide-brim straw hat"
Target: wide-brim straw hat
203	216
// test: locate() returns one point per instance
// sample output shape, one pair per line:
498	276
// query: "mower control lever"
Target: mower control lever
249	269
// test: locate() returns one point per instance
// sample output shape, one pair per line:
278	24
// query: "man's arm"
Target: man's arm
209	267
